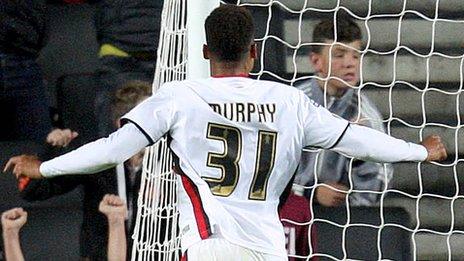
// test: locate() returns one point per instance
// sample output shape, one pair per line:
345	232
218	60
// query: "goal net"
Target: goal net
411	69
156	235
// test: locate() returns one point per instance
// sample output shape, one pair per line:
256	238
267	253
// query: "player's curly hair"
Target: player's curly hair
229	32
128	96
347	31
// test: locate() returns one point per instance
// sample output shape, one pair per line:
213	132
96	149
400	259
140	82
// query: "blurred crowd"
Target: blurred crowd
127	33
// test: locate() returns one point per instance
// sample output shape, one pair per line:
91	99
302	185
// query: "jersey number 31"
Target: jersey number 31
228	161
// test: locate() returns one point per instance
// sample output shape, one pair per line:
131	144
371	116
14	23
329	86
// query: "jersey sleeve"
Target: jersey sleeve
321	128
154	116
99	155
372	145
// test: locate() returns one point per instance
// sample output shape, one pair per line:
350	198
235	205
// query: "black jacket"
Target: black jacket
22	26
94	231
132	26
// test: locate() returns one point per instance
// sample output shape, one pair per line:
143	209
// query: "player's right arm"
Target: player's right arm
144	125
324	130
91	158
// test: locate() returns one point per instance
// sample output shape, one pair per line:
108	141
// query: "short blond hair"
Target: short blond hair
128	96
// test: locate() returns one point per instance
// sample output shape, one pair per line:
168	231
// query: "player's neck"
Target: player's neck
235	69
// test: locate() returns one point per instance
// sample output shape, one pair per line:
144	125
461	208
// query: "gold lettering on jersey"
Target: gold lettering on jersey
261	114
240	112
271	109
246	112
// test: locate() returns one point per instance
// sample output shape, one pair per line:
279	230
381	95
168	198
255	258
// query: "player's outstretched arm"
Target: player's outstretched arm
322	129
115	210
12	221
371	145
90	158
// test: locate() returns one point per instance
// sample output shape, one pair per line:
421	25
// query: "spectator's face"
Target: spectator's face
339	61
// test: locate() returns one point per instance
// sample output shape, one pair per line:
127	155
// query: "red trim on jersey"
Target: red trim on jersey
204	227
246	75
184	256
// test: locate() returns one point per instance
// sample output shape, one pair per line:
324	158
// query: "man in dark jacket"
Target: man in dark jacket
23	104
128	35
126	183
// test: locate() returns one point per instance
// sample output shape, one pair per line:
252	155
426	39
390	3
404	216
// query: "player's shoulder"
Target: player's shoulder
281	89
175	88
276	85
276	89
172	85
181	85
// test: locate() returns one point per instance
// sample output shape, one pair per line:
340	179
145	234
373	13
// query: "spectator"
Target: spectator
128	34
113	207
23	103
296	209
126	98
115	211
126	183
337	68
12	221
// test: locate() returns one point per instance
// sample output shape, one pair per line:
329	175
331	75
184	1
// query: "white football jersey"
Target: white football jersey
239	142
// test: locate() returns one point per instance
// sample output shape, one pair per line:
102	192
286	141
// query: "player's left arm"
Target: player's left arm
91	158
324	130
372	145
144	125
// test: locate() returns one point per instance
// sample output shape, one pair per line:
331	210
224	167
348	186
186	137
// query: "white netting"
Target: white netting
155	234
411	69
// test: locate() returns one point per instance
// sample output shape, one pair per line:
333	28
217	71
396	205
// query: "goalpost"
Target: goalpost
415	81
156	235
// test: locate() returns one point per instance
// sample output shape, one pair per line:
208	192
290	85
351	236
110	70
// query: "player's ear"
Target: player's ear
205	52
254	51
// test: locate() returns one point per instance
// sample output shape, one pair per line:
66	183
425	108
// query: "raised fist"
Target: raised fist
435	148
14	219
113	207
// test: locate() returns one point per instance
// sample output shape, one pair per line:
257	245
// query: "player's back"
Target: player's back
242	138
238	142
